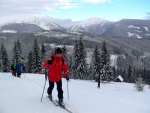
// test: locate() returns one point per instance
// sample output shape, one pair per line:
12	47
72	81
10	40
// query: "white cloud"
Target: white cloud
17	7
48	9
69	6
96	1
148	16
13	7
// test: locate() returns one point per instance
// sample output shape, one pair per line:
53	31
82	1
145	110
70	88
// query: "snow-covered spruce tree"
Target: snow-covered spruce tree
5	66
148	77
114	72
75	61
37	64
65	54
17	52
106	73
43	53
139	86
83	66
70	66
20	51
144	74
95	65
129	74
30	63
0	60
80	66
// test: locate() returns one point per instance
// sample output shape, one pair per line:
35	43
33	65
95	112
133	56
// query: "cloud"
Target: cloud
37	7
48	8
97	1
148	15
13	7
69	6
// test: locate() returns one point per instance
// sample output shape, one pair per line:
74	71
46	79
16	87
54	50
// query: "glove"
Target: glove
67	78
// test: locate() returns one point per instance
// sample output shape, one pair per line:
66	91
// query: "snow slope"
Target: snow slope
22	95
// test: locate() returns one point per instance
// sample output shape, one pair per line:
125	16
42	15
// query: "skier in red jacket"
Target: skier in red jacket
56	65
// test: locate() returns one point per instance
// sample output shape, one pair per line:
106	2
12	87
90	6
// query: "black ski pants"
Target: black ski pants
18	74
59	88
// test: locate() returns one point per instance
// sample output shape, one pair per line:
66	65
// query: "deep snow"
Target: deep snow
23	95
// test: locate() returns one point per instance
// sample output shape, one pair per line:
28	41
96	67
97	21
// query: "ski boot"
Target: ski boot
61	103
50	97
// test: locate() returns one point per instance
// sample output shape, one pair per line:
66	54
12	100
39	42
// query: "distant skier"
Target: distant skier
13	69
19	67
56	65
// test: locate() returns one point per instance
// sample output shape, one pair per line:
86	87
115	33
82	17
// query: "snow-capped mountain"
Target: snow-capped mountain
123	37
92	25
129	28
28	23
20	28
126	28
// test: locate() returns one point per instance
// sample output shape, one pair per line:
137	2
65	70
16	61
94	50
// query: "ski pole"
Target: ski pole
46	74
67	90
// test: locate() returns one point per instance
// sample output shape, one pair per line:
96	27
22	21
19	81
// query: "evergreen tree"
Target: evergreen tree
80	66
148	77
70	66
105	63
144	74
0	60
65	54
43	53
83	66
129	75
114	72
134	76
37	64
95	64
5	66
124	75
20	51
17	52
76	61
30	62
139	84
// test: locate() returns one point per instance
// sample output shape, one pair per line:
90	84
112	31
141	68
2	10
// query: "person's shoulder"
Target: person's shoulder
62	57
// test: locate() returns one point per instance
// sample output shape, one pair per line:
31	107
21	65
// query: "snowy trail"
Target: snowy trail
24	95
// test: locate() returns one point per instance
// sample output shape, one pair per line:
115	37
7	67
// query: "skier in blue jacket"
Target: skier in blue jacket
19	68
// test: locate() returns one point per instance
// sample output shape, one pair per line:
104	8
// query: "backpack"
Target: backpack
52	59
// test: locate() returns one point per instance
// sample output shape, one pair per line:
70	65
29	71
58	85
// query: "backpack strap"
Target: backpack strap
63	61
51	60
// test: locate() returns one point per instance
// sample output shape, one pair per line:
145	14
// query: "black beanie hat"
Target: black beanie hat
58	50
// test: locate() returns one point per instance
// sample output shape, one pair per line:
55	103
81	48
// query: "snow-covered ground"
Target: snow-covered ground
23	95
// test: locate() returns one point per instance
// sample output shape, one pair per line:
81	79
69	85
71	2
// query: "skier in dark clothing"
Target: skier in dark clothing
13	69
56	65
19	67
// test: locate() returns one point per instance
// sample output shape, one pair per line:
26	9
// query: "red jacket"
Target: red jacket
56	68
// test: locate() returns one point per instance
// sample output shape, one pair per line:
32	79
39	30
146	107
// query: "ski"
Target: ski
63	107
55	102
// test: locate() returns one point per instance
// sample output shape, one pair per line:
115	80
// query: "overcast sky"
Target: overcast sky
77	10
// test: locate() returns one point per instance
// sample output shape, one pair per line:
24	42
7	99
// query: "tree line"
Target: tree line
98	69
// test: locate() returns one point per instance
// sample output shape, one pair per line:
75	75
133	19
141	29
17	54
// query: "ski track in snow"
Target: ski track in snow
24	95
